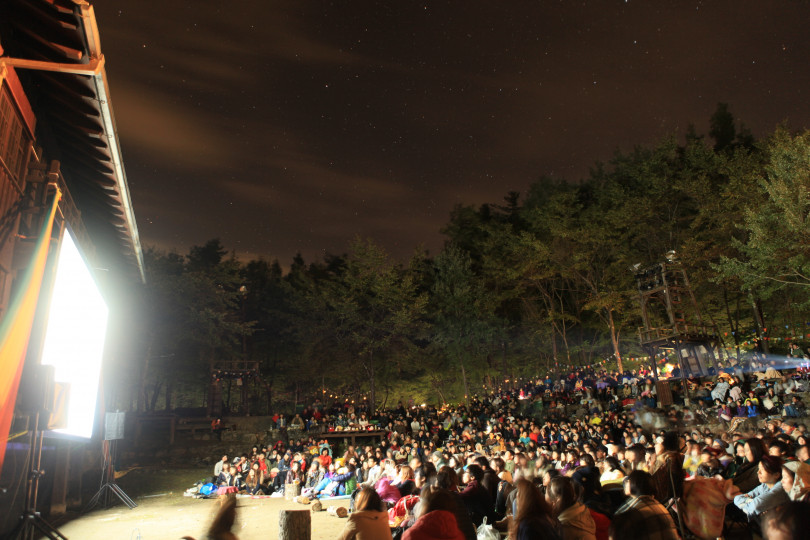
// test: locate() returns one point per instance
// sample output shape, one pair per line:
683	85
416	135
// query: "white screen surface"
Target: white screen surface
74	339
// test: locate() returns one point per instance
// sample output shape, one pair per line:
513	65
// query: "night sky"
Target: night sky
284	127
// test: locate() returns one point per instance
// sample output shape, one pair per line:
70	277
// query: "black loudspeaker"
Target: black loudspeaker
36	392
114	426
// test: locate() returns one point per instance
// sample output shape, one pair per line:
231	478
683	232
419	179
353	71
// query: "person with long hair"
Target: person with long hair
252	483
447	479
405	481
369	521
769	493
612	472
746	475
532	517
574	517
437	517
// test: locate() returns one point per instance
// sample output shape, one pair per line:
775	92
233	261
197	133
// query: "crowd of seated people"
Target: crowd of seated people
585	455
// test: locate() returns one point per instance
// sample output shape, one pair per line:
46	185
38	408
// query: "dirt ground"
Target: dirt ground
164	513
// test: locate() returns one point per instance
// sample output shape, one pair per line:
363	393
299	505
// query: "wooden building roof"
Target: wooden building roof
54	47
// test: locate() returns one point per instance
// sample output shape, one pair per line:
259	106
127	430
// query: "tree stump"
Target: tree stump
292	490
294	525
339	511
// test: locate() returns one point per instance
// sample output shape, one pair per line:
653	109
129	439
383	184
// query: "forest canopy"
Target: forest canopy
523	286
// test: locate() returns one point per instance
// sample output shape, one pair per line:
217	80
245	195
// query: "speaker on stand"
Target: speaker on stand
113	432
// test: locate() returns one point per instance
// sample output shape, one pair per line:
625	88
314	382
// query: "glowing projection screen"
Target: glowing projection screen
74	339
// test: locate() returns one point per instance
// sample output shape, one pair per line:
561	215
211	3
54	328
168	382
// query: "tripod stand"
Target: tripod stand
109	487
31	521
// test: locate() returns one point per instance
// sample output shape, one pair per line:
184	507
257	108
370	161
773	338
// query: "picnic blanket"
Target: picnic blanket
335	498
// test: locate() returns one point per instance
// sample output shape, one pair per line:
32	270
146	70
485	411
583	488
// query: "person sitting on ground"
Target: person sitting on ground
796	480
405	481
787	522
373	473
795	408
341	483
745	477
252	483
642	514
476	498
369	521
242	466
612	473
314	475
634	458
436	518
325	458
447	479
226	478
587	475
297	422
769	494
328	475
294	476
218	466
575	519
667	469
532	516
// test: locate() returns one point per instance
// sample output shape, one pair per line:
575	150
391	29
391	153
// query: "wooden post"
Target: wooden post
294	525
337	511
292	490
61	474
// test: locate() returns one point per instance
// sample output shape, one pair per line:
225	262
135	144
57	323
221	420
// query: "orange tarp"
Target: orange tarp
15	328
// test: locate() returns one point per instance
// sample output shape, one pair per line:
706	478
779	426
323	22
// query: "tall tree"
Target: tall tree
373	306
776	252
463	312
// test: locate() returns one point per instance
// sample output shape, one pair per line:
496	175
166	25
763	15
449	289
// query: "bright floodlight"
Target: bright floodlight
74	339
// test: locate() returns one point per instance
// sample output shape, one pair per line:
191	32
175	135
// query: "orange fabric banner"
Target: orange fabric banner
15	329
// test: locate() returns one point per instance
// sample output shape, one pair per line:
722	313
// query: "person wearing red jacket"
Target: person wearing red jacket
437	519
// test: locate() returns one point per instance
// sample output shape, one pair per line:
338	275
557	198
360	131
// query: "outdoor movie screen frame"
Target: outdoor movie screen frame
75	336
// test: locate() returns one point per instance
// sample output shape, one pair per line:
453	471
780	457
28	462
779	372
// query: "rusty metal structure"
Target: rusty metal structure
673	325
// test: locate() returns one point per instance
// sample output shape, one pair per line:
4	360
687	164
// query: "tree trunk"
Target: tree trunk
731	323
503	359
554	352
756	306
169	393
564	331
438	388
155	394
294	525
142	383
372	382
464	378
614	338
